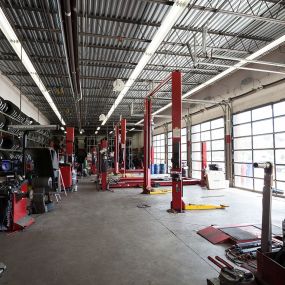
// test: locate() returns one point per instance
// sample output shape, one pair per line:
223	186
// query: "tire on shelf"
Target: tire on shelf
8	142
3	105
2	121
17	143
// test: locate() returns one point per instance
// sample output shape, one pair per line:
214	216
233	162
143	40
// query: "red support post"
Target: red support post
104	165
204	163
123	144
116	152
147	146
177	202
69	141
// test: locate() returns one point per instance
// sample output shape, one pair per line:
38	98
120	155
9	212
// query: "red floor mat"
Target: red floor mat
214	235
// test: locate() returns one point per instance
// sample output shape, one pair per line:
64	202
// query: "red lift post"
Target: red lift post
123	145
177	202
66	168
120	147
148	149
103	163
116	152
147	145
203	163
177	113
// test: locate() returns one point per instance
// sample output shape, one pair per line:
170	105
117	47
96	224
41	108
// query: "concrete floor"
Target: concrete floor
104	238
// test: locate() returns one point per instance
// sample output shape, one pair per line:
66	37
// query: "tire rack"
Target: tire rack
13	134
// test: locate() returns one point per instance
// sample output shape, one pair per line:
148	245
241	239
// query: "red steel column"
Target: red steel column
69	141
204	163
104	169
123	143
147	146
116	152
177	202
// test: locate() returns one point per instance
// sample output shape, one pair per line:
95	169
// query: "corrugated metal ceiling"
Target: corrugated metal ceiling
113	35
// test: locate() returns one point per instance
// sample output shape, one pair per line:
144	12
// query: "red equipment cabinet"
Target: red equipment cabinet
69	140
66	173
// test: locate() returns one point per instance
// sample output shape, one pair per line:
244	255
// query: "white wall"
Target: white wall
11	93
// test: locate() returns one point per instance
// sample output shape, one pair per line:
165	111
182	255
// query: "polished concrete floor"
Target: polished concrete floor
104	238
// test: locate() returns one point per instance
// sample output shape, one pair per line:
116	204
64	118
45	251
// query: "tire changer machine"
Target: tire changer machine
43	173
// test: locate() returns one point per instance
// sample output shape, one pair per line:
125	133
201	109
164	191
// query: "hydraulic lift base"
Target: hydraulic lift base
204	207
158	192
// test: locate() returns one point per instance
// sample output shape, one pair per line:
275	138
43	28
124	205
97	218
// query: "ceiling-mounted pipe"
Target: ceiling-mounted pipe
67	37
70	20
64	47
75	45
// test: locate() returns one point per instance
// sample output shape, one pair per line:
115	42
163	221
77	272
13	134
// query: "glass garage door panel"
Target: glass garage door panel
263	155
205	136
279	109
218	123
244	182
242	118
279	124
242	143
196	146
243	169
196	174
159	148
243	156
218	145
280	172
263	141
262	113
218	156
196	137
262	127
280	140
196	165
280	156
212	133
242	130
259	135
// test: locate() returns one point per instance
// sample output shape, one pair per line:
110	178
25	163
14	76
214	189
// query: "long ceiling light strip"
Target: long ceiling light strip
18	48
226	72
169	20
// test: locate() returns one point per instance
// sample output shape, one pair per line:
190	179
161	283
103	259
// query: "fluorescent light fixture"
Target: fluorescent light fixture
110	132
81	132
169	20
98	129
96	132
132	129
226	72
65	132
62	128
19	50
